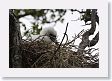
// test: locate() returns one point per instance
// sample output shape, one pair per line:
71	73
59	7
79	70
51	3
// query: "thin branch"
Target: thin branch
62	39
78	36
53	58
66	39
78	11
87	24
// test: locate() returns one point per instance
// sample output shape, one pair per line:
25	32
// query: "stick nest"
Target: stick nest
39	54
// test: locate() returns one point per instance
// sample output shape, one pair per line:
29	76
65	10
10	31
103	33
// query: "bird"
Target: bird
47	34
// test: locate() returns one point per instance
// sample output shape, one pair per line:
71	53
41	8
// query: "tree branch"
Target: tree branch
94	41
54	56
62	39
85	37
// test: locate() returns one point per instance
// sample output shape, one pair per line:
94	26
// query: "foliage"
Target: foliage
41	17
87	16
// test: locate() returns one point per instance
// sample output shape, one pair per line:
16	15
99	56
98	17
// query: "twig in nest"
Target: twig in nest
53	58
66	39
78	36
62	39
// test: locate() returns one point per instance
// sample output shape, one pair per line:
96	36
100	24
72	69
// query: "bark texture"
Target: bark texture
85	37
15	57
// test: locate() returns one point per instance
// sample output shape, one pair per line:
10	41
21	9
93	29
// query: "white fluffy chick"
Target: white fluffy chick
47	34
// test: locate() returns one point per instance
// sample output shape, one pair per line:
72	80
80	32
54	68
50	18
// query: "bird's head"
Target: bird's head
50	32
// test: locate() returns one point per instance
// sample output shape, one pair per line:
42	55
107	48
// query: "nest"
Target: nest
39	54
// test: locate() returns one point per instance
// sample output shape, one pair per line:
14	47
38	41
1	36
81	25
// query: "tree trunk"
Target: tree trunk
95	40
15	56
85	37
